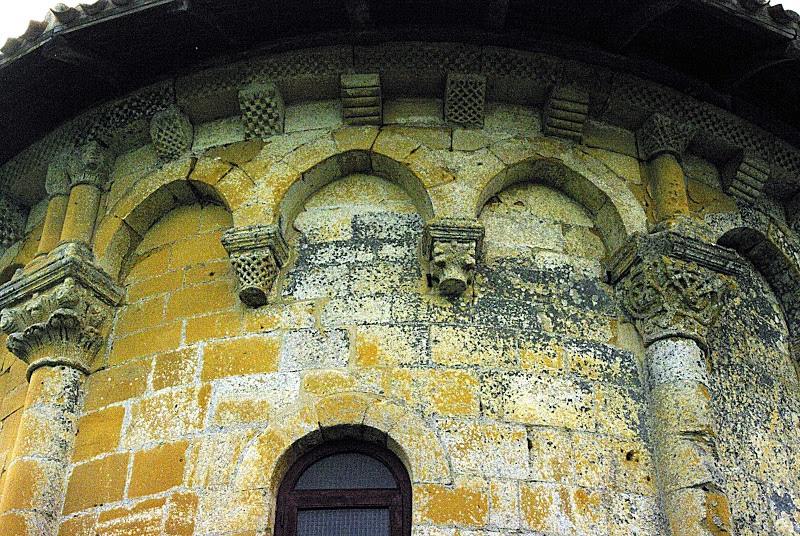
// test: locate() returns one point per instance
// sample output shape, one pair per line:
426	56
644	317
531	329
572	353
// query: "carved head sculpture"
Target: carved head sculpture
89	164
453	264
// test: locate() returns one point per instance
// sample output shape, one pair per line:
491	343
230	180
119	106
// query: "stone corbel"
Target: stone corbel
58	314
171	132
451	248
257	254
263	110
565	113
744	177
673	285
465	99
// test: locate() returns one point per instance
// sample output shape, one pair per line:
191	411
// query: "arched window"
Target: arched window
345	489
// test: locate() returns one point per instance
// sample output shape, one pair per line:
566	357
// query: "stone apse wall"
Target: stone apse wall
560	325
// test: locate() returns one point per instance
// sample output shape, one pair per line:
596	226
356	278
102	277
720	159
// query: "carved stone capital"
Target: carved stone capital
673	285
451	248
171	132
257	254
59	313
89	164
661	134
57	180
12	222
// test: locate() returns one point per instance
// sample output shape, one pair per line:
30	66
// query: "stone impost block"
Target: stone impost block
257	253
465	99
451	248
90	164
12	222
744	177
361	99
171	132
661	134
673	285
58	314
263	111
565	113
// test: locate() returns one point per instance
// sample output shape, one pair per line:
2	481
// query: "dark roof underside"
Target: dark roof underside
744	62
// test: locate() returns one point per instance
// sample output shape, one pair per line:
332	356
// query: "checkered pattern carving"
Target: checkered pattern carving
465	99
263	111
257	253
171	133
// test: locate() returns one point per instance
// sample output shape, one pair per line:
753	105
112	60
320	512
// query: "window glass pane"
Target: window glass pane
347	471
350	522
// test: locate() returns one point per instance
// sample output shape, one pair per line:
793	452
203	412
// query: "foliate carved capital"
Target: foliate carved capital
89	164
661	134
451	248
257	254
673	285
58	314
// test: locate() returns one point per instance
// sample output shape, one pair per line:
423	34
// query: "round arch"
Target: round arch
153	196
291	195
616	211
775	254
347	415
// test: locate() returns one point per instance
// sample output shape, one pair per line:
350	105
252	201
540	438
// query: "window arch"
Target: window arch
345	489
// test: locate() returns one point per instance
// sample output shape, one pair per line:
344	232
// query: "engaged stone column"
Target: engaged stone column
662	141
56	319
57	186
673	287
88	170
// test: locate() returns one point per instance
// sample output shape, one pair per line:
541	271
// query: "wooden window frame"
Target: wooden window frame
397	501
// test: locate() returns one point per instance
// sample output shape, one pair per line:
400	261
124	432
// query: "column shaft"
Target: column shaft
53	224
35	483
684	439
84	201
668	187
